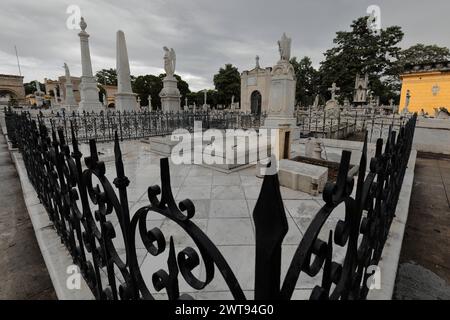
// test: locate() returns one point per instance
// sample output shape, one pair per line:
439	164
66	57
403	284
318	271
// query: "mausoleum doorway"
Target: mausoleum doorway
255	102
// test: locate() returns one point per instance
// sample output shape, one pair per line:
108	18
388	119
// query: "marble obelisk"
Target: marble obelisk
125	98
88	86
69	102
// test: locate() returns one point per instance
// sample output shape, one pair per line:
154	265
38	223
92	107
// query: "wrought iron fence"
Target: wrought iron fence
142	124
81	213
335	124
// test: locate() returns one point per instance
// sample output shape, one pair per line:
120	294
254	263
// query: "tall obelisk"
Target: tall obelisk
125	98
88	86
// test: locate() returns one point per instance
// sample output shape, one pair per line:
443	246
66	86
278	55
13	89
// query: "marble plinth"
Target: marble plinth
170	95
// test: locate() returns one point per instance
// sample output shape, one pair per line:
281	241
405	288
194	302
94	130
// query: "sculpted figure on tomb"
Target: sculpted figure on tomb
169	61
284	47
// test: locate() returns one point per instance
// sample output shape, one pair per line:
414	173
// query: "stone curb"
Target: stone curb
391	253
55	254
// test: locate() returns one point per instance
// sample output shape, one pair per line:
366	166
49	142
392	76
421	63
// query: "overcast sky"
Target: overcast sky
205	34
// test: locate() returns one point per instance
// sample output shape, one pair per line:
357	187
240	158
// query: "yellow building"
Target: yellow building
428	86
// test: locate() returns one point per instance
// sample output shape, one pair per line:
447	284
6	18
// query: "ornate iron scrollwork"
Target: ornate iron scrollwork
80	201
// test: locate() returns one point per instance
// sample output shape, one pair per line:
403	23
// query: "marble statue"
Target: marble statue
284	47
67	72
69	101
257	62
408	98
38	86
169	61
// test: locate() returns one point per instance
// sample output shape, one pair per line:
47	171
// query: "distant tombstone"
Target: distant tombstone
441	113
333	91
332	107
313	148
346	103
316	101
361	88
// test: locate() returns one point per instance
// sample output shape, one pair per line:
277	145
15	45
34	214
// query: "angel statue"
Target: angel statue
169	61
66	68
38	86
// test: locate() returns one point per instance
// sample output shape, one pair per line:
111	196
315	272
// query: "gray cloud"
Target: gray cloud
206	34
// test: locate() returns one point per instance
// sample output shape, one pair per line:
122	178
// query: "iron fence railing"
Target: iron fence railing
336	124
142	124
80	203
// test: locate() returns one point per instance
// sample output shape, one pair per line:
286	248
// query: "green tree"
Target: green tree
421	53
107	76
148	85
362	50
307	80
227	83
212	98
30	87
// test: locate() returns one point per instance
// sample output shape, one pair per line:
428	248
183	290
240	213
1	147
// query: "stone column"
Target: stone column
88	86
125	98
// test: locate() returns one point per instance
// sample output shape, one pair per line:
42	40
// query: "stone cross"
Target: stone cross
333	90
